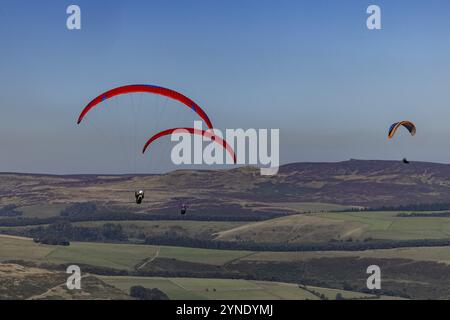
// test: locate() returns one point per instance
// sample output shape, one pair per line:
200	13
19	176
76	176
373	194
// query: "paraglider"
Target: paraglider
208	134
408	125
139	196
143	88
183	208
139	88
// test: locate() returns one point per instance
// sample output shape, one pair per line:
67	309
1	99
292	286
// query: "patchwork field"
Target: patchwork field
117	256
320	227
332	267
331	226
434	254
126	257
228	289
387	225
316	207
303	228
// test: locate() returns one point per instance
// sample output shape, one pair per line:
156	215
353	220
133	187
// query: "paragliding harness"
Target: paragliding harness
139	196
183	209
405	161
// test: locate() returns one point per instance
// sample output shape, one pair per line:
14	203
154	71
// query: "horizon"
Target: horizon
236	167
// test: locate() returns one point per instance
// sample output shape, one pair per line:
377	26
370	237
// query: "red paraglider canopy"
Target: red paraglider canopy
135	88
208	134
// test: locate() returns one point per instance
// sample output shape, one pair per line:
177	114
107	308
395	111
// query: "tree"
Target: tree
339	296
141	293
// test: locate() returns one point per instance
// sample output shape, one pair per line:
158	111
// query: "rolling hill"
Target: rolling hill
363	183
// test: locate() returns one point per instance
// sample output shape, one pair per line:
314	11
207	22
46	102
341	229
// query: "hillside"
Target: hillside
241	190
340	226
194	273
294	229
23	282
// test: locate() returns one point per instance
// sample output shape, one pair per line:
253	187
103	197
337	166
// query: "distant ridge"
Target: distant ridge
367	183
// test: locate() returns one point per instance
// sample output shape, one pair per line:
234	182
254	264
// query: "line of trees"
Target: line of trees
10	211
52	240
440	206
288	247
444	214
64	231
141	293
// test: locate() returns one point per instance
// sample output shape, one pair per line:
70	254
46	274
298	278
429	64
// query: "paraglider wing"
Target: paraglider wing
208	134
407	124
135	88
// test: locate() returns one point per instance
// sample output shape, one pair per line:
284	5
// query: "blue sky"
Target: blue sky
310	68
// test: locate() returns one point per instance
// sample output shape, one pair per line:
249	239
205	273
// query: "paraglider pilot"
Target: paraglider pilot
139	196
183	208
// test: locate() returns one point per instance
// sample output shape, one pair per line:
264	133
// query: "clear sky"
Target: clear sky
310	68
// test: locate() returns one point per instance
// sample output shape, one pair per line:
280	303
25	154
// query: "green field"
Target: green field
316	206
435	254
127	257
341	226
208	256
299	228
227	289
12	248
123	256
118	256
386	225
332	293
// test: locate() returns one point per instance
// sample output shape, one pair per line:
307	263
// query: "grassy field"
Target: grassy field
14	248
302	228
324	227
386	225
225	289
118	256
209	289
295	207
435	254
123	256
316	206
332	293
127	257
299	228
208	256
